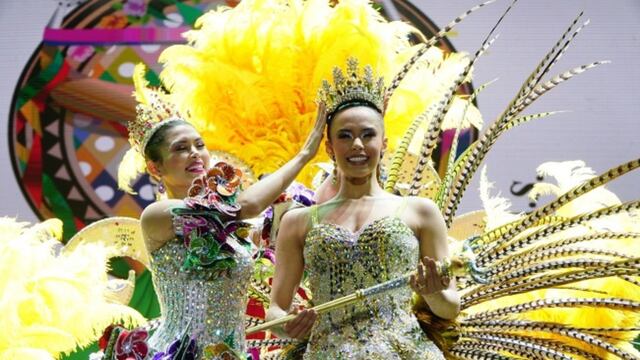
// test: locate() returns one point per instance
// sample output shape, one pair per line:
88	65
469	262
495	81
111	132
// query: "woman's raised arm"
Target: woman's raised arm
258	196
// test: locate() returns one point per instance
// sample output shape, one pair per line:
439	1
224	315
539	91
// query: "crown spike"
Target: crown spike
155	112
356	85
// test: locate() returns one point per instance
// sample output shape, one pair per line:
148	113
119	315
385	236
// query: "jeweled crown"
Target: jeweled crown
149	118
357	86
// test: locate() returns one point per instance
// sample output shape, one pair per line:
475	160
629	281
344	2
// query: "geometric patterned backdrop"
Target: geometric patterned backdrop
66	123
66	142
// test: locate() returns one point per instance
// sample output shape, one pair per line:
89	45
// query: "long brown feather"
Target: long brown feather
393	85
535	216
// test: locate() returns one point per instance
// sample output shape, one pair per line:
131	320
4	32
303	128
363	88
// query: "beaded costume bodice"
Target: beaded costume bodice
340	262
209	304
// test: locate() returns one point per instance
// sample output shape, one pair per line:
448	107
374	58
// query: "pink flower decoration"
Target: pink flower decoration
132	345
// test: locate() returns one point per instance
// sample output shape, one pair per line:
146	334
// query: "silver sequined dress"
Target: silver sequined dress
340	262
211	304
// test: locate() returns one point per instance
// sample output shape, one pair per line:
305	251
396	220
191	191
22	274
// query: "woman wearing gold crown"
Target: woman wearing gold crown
365	237
361	237
201	258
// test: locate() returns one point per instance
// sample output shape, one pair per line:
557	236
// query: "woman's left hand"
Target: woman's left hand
311	146
427	280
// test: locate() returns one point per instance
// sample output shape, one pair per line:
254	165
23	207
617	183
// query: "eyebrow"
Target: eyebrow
349	130
178	142
182	141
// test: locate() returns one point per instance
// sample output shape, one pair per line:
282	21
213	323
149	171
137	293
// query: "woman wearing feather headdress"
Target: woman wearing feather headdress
201	258
540	285
361	237
524	301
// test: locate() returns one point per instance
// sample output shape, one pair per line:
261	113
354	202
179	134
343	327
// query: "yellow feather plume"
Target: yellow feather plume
40	292
133	163
141	85
249	77
131	166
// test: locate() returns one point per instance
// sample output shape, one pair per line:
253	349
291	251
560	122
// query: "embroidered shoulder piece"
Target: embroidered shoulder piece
208	221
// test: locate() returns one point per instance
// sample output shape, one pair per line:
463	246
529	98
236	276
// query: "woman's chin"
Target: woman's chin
358	178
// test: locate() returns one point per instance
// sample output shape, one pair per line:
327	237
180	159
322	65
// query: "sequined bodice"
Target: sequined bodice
211	304
340	262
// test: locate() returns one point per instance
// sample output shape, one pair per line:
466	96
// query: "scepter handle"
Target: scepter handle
357	296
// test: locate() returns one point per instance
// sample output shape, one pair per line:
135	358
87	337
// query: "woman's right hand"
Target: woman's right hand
300	327
311	146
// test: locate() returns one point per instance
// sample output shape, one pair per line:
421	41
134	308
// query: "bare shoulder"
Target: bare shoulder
423	207
157	223
423	214
159	211
295	225
429	227
298	218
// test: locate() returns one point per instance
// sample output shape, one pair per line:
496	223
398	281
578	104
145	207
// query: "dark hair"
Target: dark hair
345	106
152	150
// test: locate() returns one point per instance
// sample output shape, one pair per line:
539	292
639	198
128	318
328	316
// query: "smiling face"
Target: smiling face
183	156
356	141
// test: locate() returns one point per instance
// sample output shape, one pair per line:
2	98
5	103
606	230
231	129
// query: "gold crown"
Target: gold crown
358	87
150	117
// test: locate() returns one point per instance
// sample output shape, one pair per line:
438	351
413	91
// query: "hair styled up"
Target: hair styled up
152	150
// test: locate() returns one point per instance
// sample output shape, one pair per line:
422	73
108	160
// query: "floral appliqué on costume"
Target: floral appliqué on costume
119	343
208	223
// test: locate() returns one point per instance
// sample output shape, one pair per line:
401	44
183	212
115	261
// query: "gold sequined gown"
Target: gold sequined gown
340	262
211	304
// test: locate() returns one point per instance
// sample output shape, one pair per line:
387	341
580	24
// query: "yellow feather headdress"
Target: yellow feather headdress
250	75
154	110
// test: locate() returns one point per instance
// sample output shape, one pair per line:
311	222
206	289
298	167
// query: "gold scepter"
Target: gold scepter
447	267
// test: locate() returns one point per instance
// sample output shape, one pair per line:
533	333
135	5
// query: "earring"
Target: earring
161	188
334	174
381	174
